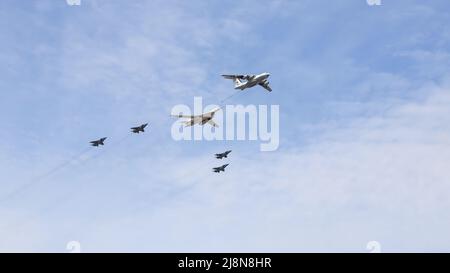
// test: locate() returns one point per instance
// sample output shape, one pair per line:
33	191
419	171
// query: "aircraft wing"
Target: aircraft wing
232	77
183	116
212	123
266	86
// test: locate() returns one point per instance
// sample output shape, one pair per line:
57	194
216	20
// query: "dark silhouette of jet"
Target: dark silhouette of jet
223	155
139	129
220	169
96	143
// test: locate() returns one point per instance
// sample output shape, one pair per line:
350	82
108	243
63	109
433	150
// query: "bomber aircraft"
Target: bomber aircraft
200	119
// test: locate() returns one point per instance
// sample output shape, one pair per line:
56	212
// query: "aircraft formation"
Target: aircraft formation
241	82
220	156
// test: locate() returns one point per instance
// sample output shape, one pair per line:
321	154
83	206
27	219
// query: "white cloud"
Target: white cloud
382	178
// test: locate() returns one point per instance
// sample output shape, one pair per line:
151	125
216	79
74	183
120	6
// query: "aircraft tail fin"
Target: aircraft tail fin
212	123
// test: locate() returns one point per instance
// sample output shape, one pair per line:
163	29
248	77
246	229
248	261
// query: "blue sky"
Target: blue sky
364	126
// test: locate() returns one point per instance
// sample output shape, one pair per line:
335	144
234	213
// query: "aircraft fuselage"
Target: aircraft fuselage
253	81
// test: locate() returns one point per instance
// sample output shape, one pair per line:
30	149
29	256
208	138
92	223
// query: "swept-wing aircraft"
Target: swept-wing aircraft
96	143
139	129
222	155
247	81
220	169
200	119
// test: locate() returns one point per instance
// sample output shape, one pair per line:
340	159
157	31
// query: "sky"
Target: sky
363	92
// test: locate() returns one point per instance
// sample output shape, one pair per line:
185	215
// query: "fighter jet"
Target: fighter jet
96	143
220	169
139	129
223	155
247	81
200	119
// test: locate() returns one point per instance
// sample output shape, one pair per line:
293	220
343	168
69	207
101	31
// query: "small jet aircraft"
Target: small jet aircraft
223	155
220	169
200	119
139	129
96	143
249	81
